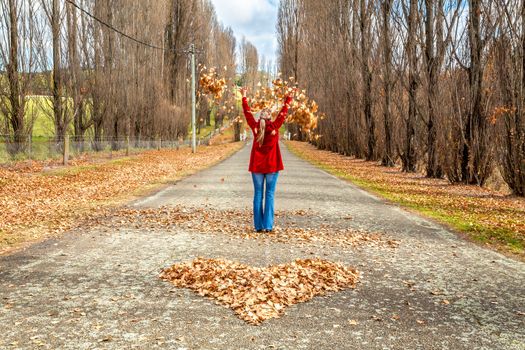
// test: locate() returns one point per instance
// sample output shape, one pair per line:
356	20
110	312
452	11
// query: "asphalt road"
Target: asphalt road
98	289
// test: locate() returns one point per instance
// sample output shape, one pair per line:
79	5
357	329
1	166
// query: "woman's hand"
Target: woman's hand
292	94
243	91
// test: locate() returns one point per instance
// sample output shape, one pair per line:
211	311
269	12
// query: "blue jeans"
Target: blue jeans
263	219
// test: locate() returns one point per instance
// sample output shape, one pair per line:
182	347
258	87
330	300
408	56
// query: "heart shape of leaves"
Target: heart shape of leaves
257	294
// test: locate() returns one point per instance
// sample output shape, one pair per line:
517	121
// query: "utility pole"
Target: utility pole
193	100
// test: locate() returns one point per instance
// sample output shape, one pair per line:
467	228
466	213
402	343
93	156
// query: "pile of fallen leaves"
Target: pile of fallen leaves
238	223
489	216
258	294
36	203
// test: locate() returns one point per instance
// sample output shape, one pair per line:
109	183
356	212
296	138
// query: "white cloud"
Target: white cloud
254	19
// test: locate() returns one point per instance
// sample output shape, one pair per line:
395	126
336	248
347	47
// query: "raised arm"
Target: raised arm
246	109
247	113
283	113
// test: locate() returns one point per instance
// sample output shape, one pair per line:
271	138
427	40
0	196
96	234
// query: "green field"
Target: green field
39	109
206	130
39	112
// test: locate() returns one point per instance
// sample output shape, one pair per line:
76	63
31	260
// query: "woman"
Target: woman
265	161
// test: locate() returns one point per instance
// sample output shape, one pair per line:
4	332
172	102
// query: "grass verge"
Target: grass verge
484	216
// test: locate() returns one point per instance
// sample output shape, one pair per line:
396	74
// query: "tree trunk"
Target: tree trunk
388	157
367	80
75	71
472	167
409	157
16	102
57	89
98	86
434	55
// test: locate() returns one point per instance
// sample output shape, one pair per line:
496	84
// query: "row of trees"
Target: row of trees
436	85
97	83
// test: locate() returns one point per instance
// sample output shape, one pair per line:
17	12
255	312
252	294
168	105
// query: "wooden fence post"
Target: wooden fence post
66	150
30	149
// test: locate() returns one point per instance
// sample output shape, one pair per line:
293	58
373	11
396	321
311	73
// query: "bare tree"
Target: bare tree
289	36
59	114
365	12
17	21
75	81
249	58
434	72
388	156
507	68
409	156
289	22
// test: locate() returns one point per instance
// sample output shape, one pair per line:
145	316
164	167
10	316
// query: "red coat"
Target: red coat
266	158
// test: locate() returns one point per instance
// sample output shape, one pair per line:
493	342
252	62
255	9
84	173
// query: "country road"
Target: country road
99	289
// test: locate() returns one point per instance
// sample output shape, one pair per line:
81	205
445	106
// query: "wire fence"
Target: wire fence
45	148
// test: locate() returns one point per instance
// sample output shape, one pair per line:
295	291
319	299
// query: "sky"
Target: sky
254	19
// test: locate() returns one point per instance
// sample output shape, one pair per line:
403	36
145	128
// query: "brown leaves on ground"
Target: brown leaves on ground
238	223
257	294
487	215
36	203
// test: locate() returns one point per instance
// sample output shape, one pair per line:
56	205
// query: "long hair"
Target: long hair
263	115
262	129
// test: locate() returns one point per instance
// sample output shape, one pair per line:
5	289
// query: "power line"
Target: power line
107	25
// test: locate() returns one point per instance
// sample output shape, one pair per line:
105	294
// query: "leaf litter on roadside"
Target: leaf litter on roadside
490	216
257	294
36	203
237	223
